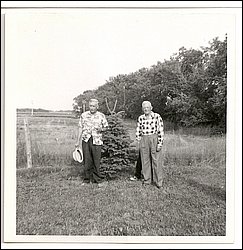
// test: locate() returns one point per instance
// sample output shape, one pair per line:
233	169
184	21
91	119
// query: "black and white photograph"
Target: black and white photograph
119	123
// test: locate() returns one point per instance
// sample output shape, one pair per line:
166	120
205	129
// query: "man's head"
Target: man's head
147	107
93	105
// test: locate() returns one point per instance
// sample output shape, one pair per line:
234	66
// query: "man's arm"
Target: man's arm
80	131
104	125
138	131
160	133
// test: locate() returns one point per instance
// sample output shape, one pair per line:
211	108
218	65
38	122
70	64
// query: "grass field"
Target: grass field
52	201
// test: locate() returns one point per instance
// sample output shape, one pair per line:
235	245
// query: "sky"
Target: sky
52	57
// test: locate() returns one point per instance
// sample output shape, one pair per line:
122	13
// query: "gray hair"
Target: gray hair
94	101
146	102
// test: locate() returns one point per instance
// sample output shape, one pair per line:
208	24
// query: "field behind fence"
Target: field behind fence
53	139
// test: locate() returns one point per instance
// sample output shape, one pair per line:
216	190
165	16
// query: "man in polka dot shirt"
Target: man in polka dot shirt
150	136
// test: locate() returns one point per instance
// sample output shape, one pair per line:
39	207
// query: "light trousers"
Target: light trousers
152	161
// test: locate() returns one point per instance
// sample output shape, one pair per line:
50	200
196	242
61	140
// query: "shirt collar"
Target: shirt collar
152	114
94	113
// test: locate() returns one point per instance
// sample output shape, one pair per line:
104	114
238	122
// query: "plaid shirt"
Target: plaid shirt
149	126
90	123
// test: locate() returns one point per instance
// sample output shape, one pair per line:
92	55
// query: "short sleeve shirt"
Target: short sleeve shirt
90	123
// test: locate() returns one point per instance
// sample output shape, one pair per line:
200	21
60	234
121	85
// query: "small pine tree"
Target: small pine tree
115	151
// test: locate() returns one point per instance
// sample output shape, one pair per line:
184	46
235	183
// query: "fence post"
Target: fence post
28	145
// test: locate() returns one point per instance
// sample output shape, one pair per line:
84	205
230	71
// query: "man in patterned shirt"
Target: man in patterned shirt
150	136
91	125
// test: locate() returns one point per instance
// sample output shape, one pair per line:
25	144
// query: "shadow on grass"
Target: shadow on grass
37	171
67	172
73	172
76	171
209	190
122	173
128	171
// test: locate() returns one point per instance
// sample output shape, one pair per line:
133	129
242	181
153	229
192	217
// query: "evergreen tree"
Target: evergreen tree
115	151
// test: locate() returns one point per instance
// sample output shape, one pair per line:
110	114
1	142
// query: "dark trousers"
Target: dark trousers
92	156
138	170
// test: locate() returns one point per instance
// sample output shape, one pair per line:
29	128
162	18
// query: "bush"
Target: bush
115	151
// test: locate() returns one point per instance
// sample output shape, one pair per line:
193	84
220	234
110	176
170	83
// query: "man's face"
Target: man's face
146	108
93	107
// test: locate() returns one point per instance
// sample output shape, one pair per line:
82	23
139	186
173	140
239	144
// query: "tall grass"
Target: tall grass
53	140
194	150
187	146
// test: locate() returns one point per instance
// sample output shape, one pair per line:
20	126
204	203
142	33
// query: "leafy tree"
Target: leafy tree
189	89
216	71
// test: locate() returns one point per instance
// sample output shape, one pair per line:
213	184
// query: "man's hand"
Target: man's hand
76	144
101	130
158	148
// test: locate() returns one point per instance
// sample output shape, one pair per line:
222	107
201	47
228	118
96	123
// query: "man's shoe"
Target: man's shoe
145	184
133	178
86	181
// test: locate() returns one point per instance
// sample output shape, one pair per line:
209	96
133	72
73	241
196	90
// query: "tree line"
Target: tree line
189	89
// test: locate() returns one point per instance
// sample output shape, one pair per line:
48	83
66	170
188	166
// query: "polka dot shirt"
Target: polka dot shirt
149	126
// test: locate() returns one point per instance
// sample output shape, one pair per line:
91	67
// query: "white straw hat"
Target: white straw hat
78	155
